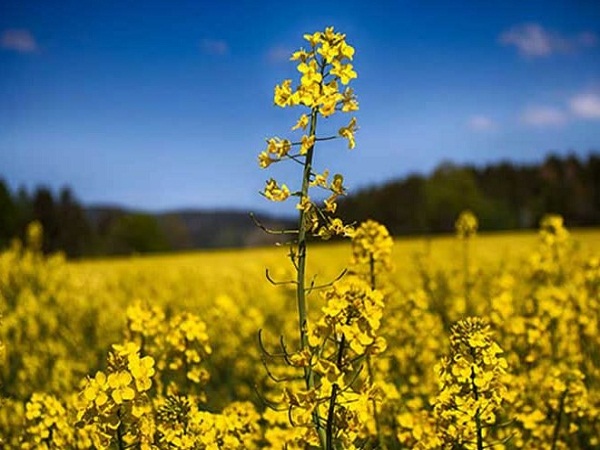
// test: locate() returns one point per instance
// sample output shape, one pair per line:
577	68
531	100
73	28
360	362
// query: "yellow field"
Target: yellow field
192	374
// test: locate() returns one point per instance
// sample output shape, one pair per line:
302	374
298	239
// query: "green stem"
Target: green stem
330	418
301	275
120	441
380	438
333	398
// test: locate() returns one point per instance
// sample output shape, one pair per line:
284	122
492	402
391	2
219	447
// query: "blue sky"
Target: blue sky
161	105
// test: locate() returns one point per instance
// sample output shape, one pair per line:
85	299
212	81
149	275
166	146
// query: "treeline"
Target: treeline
69	228
65	226
503	196
94	231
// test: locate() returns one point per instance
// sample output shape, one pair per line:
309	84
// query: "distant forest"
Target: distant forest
504	196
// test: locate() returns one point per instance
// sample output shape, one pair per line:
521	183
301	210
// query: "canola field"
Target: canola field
463	342
467	341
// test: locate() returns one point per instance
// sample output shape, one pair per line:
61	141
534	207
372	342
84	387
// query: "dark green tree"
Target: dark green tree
9	215
137	233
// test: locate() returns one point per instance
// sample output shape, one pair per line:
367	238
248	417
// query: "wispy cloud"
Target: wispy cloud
586	106
18	40
216	47
534	41
278	54
543	116
481	123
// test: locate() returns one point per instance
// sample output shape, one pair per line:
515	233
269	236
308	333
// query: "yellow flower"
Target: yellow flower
302	122
307	143
328	51
121	389
264	160
96	389
345	72
283	93
313	39
349	102
331	36
320	179
348	132
142	370
276	193
330	204
337	185
304	204
301	55
346	50
279	147
306	95
328	105
310	73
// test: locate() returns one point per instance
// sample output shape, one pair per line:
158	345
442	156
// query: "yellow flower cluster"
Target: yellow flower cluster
371	246
114	404
546	325
466	225
183	426
47	423
471	391
339	343
323	68
43	315
352	310
179	346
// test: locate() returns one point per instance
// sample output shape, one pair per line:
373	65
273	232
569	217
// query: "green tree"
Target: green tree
137	233
9	220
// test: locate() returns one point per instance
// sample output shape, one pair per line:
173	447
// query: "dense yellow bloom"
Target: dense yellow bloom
472	383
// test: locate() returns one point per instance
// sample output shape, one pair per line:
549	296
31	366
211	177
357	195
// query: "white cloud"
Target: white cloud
586	106
532	40
542	116
481	123
18	40
278	54
214	46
